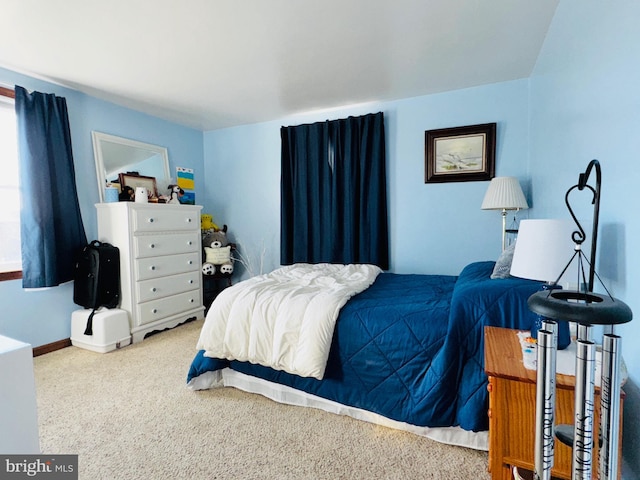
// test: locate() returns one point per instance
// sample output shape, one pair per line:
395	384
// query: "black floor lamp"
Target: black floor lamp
586	308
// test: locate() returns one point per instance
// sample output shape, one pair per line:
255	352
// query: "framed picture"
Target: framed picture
460	154
132	180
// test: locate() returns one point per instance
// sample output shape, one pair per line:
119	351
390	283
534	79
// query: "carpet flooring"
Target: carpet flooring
128	414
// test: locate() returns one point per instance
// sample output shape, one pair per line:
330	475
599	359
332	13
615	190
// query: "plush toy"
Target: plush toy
176	192
207	224
208	269
127	194
217	251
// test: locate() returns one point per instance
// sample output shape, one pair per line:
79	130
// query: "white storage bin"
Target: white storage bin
110	329
18	407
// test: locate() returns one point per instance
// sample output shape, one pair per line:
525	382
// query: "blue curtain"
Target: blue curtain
333	192
50	221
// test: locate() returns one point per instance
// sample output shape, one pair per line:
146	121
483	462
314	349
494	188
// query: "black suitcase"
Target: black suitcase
97	278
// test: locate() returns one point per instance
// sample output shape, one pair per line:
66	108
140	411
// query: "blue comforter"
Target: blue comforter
411	347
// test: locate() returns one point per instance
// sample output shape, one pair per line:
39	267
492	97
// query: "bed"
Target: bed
406	352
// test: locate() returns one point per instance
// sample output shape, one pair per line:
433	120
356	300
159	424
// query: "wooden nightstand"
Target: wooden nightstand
512	406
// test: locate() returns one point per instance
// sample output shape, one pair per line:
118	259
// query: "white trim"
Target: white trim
291	396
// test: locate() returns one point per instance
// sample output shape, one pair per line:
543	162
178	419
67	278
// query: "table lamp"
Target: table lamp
504	193
542	249
541	254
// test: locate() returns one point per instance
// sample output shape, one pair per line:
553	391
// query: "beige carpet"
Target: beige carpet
129	415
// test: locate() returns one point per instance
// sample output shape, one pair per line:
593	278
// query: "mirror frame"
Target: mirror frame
99	137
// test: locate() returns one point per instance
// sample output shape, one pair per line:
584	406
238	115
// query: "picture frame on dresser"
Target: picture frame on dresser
134	180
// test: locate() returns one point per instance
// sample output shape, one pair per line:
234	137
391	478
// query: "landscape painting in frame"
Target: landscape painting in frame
460	154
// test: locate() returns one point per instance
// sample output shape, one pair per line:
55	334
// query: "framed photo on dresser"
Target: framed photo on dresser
133	180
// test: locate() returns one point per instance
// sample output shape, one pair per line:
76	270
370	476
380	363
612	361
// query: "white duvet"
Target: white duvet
284	319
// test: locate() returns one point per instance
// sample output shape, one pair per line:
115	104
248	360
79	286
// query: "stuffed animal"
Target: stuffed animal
217	251
207	224
208	269
127	194
175	192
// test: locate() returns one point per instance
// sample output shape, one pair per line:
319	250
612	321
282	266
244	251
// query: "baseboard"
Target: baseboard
51	347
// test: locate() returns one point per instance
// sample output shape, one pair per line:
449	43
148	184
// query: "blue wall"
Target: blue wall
435	228
44	316
581	102
585	104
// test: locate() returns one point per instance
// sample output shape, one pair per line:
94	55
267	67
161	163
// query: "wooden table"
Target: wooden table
512	406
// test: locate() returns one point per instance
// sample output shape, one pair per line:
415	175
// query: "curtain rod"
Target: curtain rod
7	95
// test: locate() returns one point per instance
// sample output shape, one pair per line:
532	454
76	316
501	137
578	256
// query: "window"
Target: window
10	261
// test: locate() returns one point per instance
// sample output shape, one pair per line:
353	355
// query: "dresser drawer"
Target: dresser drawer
166	286
169	220
157	245
154	267
165	307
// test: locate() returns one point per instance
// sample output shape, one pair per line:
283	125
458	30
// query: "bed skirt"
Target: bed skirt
291	396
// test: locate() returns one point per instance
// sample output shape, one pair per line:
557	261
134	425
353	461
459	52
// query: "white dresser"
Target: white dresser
160	262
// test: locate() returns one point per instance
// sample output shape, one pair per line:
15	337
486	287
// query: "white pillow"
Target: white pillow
503	265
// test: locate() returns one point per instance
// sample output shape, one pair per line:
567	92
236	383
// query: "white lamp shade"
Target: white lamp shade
543	250
504	193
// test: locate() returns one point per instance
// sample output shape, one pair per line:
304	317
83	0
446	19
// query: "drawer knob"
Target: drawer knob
151	220
154	289
189	242
191	282
191	300
152	267
152	245
190	262
155	310
188	220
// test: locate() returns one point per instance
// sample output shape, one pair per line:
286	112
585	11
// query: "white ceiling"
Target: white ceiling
212	64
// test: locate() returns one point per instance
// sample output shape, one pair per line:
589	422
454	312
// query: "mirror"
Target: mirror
115	155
